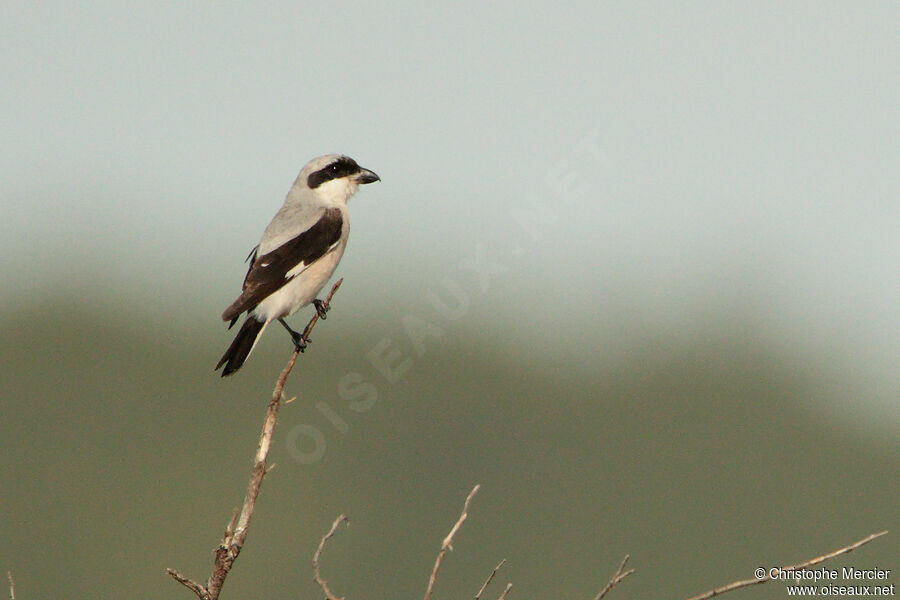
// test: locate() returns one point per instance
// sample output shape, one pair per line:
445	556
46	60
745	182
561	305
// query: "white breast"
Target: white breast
303	289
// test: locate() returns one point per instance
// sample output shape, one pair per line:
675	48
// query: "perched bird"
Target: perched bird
297	254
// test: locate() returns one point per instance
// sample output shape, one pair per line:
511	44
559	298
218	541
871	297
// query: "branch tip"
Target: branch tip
317	575
489	579
617	578
447	544
505	592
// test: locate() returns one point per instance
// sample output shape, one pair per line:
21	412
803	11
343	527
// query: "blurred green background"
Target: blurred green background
633	269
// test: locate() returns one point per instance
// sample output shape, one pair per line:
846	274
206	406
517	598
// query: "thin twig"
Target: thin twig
447	543
12	586
317	575
505	592
236	531
190	584
489	579
617	578
812	562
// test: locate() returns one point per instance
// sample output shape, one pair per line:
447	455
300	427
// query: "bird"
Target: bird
297	254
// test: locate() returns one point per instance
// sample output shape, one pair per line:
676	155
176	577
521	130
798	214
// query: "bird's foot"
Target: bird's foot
300	344
296	337
322	308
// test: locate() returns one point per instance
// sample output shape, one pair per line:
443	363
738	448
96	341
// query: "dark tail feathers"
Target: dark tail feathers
241	347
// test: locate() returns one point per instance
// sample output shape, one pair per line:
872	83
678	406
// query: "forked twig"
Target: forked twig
616	579
236	530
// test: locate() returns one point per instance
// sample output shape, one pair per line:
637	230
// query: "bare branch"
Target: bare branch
447	543
489	579
236	531
617	578
317	575
812	562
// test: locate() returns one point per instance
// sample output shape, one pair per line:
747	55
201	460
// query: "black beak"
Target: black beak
367	176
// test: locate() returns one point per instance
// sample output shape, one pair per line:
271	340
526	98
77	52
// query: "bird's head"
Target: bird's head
331	179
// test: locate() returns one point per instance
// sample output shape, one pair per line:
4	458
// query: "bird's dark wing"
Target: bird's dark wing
269	272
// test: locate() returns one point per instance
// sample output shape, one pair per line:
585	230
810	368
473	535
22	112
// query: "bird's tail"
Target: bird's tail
242	346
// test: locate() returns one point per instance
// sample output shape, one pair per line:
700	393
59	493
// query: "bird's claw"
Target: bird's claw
299	343
321	308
